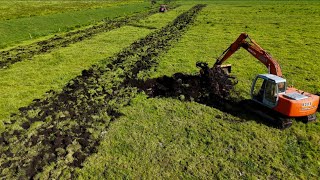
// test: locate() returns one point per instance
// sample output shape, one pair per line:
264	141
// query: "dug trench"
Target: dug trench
20	53
53	136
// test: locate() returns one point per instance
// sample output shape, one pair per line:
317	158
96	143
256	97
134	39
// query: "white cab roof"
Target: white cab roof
273	77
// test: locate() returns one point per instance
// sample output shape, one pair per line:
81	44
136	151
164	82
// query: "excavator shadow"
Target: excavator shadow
192	88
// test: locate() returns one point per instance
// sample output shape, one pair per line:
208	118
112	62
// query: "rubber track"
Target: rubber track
71	123
21	53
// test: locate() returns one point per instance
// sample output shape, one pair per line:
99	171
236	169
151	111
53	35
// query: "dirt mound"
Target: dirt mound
212	86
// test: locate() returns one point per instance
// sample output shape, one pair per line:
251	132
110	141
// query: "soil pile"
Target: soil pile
211	86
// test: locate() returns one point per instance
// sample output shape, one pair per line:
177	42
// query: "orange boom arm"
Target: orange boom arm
253	48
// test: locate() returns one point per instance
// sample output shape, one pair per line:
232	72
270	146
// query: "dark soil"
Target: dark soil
20	53
72	122
200	88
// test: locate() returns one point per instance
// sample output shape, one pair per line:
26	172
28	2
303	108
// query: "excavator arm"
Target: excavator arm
254	49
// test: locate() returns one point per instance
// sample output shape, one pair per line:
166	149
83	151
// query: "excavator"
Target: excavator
163	8
271	90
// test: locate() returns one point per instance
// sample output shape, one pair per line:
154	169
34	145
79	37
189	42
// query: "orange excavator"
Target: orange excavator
163	8
271	90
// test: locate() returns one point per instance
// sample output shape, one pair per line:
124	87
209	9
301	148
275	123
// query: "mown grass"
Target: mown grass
17	30
18	9
167	138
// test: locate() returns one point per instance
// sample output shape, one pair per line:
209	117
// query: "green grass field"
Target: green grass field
20	9
168	138
16	30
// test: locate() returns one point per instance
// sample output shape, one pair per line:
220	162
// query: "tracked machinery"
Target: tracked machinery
270	95
163	8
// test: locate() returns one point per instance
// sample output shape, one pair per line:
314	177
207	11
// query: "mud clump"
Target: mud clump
216	80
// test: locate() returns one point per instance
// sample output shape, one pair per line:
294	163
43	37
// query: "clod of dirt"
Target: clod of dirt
216	80
25	125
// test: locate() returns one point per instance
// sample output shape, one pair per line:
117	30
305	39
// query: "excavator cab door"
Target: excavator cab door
265	91
270	94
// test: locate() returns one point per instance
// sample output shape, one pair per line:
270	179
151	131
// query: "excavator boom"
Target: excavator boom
253	48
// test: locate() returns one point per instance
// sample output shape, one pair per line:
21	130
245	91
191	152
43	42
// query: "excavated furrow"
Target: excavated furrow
54	135
21	53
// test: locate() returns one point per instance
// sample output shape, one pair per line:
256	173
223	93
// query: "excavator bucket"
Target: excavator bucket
217	78
226	68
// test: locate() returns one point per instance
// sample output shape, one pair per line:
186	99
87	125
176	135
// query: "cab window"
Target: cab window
271	92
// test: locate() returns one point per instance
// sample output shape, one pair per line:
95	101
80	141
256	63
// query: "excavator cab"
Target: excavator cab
266	89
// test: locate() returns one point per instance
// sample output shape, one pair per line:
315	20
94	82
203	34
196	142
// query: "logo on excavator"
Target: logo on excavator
306	104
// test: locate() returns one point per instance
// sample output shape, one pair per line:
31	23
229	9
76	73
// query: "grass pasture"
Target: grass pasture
25	8
15	31
95	125
167	138
20	85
